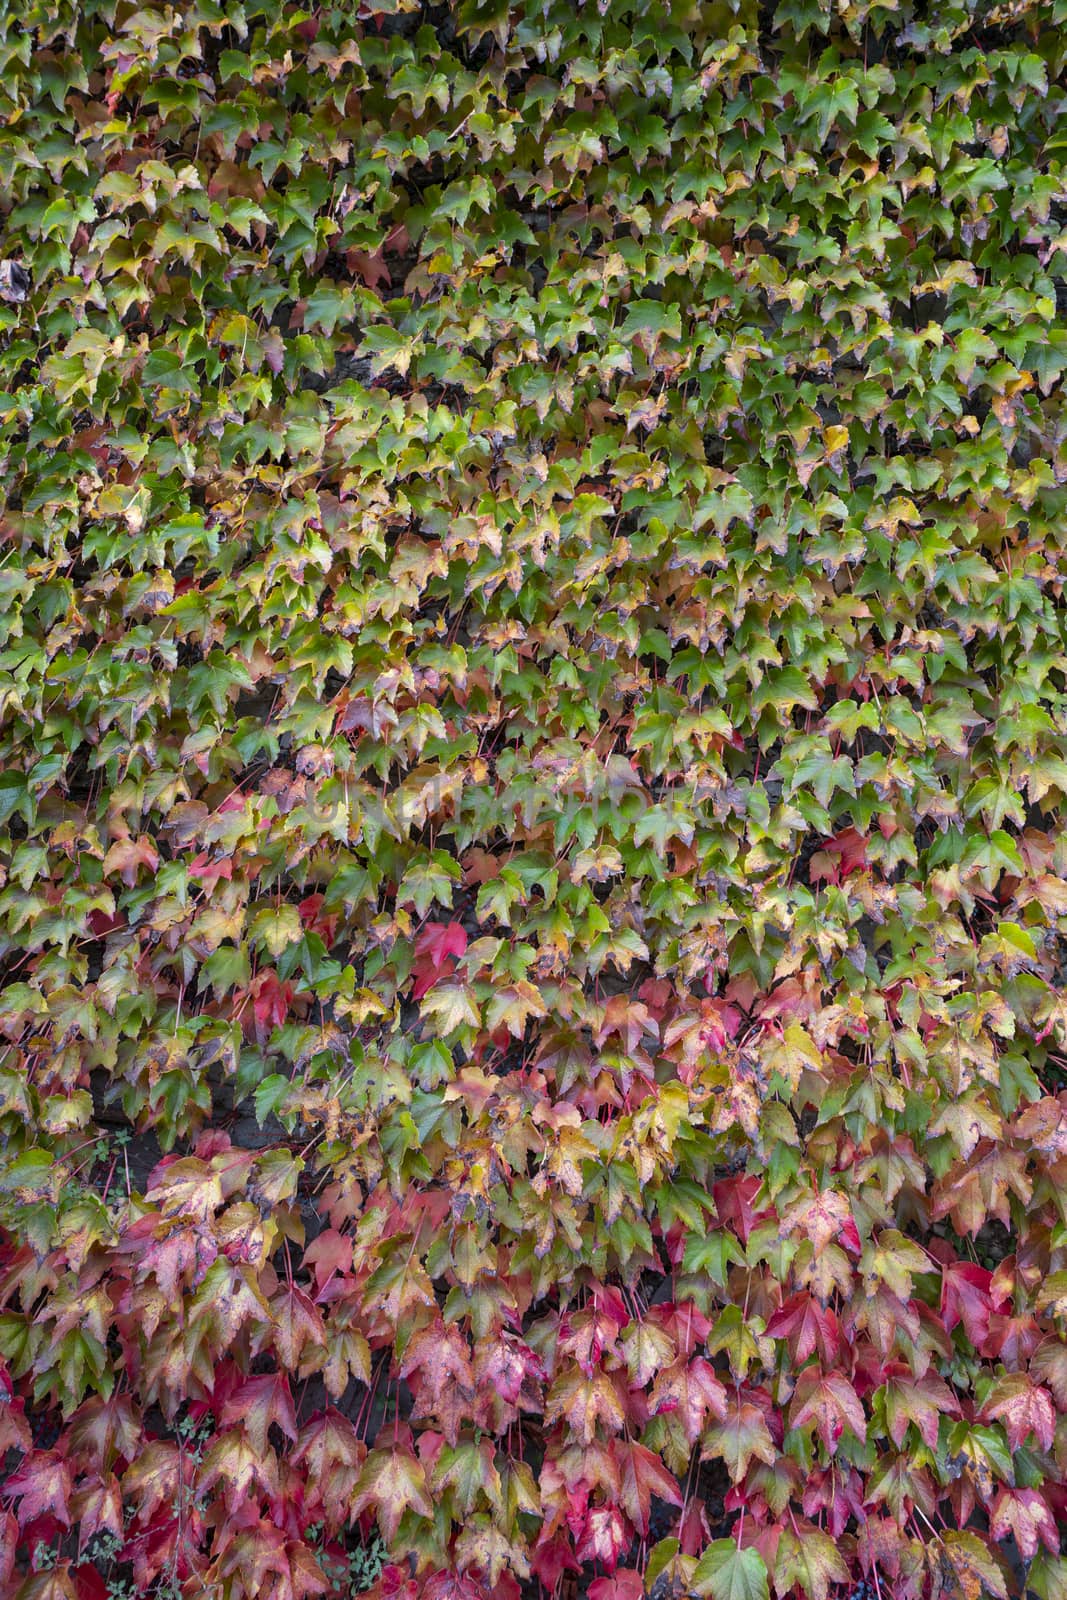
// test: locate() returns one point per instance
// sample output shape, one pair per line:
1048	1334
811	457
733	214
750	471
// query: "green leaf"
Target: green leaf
726	1573
269	1095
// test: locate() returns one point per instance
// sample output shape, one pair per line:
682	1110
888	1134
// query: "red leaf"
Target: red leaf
42	1485
831	1402
437	1366
257	1404
271	1000
552	1557
605	1536
965	1298
625	1585
1024	1407
437	948
808	1326
439	940
297	1324
316	921
693	1530
208	872
89	1583
847	853
642	1475
1024	1513
333	1455
9	1538
450	1585
733	1200
693	1392
330	1253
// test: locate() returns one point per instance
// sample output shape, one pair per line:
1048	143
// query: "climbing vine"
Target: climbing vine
533	762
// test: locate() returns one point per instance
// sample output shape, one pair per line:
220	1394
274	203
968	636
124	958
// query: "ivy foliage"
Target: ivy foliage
533	758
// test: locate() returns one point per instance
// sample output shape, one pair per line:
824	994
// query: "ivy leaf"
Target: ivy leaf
469	1470
1024	1407
810	1560
585	1400
42	1484
739	1437
391	1482
333	1454
975	1570
482	1546
642	1475
725	1572
922	1401
259	1403
449	1006
691	1390
233	1462
1024	1515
